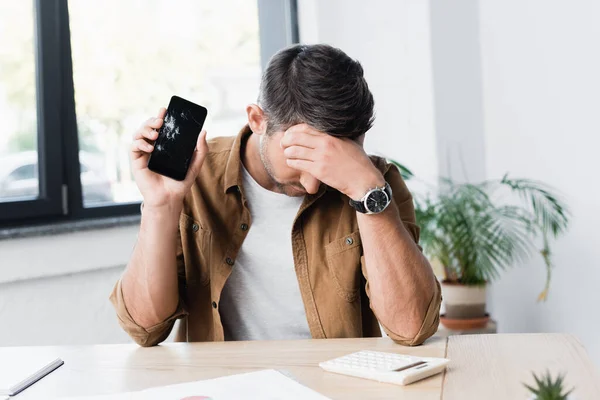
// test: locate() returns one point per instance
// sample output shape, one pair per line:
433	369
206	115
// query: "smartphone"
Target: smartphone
177	137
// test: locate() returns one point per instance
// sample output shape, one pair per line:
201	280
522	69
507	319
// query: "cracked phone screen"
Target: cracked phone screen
177	138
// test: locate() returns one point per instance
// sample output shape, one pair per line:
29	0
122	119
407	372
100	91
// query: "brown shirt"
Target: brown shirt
327	251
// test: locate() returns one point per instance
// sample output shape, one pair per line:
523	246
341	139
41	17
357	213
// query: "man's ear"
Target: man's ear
257	120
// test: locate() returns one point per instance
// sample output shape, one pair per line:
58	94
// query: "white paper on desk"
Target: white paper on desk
267	384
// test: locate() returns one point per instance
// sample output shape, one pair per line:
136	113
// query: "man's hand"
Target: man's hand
337	162
158	190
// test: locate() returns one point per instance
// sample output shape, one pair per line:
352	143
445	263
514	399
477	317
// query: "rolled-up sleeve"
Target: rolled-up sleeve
428	327
143	336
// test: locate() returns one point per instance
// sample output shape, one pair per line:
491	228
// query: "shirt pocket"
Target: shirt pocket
343	259
196	249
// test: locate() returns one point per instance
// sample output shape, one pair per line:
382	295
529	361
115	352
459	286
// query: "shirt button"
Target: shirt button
195	227
214	304
349	241
244	227
229	261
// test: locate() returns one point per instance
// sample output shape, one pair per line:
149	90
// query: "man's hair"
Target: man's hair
318	85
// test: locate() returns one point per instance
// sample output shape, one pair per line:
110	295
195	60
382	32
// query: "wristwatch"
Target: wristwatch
375	201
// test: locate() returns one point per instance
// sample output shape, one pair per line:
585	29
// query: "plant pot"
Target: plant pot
455	324
464	305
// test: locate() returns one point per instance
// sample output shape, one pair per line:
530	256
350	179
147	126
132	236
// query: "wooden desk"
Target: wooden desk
482	366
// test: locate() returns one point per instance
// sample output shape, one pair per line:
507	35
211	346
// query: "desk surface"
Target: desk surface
482	366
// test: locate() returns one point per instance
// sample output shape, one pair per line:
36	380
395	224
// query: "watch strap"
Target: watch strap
388	190
358	205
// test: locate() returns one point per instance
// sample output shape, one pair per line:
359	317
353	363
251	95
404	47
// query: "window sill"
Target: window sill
68	227
66	248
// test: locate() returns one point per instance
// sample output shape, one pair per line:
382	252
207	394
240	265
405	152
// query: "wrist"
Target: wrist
170	210
362	185
156	220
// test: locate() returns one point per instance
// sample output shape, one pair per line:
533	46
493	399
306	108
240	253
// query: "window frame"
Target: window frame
60	190
48	204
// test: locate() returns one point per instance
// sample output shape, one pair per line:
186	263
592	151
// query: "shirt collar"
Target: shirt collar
233	170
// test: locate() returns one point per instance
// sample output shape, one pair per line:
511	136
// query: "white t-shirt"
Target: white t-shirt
261	299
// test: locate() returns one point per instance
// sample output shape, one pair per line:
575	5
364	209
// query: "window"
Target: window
18	143
102	68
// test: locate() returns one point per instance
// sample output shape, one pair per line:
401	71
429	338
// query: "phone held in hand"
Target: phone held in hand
177	137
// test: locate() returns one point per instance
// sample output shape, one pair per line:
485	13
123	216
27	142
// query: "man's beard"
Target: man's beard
283	188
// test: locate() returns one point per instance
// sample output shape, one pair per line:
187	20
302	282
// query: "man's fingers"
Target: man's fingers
198	157
299	138
141	146
145	132
302	165
155	123
201	144
151	124
300	153
304	128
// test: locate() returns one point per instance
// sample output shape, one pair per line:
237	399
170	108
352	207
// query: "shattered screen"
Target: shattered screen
177	138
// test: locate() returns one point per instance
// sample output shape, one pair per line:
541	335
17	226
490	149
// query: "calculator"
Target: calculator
386	367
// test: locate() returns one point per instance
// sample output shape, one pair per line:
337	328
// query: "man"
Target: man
262	241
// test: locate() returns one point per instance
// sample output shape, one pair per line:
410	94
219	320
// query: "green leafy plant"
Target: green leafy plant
476	230
548	388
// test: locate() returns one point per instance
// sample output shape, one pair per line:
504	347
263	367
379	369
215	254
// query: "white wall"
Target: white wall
54	289
391	40
541	85
60	310
456	67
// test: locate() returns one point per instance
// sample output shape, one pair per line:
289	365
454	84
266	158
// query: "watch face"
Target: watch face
377	201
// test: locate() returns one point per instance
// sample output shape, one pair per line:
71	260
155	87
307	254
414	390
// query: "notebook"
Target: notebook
21	374
267	384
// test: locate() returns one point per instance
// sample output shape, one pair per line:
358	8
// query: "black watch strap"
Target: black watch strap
388	190
359	205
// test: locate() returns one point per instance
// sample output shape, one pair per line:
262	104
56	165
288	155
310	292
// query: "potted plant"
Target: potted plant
476	230
548	388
